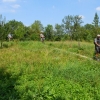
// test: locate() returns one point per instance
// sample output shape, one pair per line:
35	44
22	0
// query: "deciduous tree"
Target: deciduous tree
2	31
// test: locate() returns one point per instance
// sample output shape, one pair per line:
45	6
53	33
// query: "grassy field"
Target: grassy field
32	70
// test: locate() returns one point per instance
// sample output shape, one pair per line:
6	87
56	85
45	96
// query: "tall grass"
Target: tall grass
50	71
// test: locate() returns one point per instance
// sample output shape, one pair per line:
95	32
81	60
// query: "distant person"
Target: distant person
10	36
97	45
42	37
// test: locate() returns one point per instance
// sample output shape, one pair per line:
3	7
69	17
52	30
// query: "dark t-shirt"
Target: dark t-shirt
97	40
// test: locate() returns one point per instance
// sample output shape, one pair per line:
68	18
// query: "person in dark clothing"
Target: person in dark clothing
97	46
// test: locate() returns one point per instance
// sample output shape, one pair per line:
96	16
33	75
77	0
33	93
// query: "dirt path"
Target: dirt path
74	53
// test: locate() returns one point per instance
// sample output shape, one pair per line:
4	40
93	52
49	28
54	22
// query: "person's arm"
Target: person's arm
97	44
95	41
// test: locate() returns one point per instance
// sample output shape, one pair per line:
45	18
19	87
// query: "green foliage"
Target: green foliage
71	25
37	27
96	20
65	37
35	30
89	38
50	71
2	31
34	36
49	32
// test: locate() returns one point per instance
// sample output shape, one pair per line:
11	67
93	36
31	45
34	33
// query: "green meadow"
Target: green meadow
32	70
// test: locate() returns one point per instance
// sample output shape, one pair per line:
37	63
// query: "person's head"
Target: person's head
98	36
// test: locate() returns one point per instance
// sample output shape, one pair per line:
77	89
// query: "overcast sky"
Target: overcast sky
48	11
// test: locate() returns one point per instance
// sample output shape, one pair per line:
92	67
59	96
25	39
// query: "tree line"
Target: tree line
70	29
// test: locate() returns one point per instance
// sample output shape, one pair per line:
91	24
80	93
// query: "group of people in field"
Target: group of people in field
42	37
96	42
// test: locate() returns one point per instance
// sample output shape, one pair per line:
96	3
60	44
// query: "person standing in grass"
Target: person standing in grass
97	45
42	37
10	36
